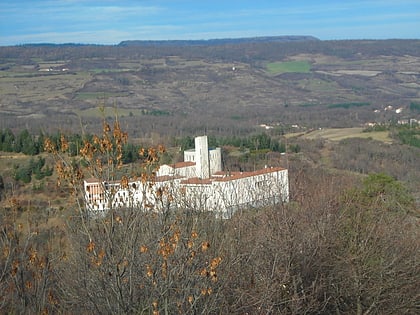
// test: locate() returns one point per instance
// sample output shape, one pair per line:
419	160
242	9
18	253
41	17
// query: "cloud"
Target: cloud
69	14
111	21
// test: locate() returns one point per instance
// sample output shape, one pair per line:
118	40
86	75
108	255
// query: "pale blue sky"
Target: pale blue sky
112	21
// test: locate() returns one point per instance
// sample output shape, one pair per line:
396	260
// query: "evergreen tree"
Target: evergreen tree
1	187
8	140
25	143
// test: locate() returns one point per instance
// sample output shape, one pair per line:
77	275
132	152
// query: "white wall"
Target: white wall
202	157
215	160
189	155
168	170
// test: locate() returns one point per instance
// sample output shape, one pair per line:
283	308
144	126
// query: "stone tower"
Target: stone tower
202	157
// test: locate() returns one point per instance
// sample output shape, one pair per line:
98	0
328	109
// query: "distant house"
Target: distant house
197	183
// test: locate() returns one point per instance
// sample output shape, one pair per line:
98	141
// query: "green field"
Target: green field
107	111
288	66
98	95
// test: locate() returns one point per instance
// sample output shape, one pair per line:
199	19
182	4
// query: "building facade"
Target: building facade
197	183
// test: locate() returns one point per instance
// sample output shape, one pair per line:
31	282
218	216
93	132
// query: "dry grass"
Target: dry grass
40	87
367	73
8	159
337	134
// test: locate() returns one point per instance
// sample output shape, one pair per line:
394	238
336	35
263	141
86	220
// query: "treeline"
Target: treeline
30	144
410	136
348	105
221	41
415	106
255	142
405	134
23	142
254	147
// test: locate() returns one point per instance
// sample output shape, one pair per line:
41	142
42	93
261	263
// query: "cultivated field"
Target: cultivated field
337	134
288	66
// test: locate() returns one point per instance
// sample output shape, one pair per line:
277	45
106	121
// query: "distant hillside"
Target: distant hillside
227	88
223	41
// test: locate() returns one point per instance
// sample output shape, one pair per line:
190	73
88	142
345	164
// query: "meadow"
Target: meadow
276	68
338	134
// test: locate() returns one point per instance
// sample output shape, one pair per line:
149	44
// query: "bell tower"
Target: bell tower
202	157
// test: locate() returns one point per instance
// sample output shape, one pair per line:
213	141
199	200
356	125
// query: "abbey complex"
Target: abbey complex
197	183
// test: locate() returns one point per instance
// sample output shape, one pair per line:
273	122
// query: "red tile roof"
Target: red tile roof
182	164
231	176
91	180
97	181
237	175
196	181
218	176
165	178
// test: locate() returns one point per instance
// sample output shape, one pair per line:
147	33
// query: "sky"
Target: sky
112	21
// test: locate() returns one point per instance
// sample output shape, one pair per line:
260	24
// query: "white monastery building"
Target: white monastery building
198	183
